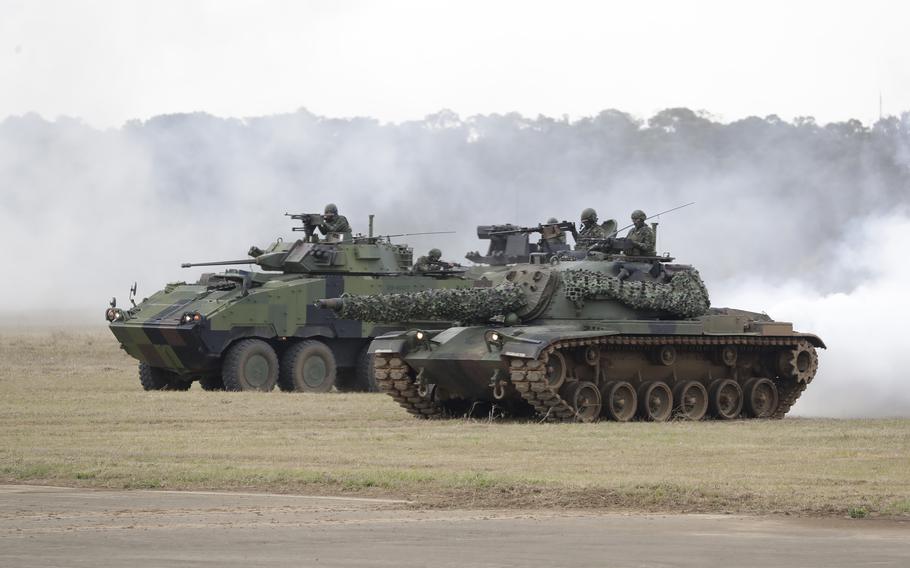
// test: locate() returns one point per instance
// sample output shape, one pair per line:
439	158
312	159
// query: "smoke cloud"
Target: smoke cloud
805	221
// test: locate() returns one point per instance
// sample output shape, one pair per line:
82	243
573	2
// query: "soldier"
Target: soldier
332	222
641	235
590	230
559	239
432	263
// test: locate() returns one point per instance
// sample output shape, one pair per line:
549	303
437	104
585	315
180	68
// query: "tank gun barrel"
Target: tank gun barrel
334	304
218	263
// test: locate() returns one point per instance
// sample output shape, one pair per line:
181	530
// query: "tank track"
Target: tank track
528	376
394	378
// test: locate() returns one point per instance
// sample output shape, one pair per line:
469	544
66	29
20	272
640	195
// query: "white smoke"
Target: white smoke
865	371
84	213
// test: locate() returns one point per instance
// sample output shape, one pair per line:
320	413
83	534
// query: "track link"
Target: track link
528	379
528	376
394	378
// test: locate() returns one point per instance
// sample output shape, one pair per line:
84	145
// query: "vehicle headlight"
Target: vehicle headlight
113	314
191	317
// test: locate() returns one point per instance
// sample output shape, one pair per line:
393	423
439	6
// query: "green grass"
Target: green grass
72	413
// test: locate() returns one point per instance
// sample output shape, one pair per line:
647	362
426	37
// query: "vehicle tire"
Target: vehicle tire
760	398
250	365
726	399
655	401
691	400
365	378
308	366
211	383
156	379
585	400
619	401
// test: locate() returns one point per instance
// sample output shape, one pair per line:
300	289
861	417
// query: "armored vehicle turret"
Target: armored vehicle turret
248	329
605	335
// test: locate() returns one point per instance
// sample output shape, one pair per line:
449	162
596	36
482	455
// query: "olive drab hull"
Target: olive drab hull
245	330
603	338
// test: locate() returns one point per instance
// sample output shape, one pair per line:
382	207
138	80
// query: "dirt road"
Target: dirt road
48	526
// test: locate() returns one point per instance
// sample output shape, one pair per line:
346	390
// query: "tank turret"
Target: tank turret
568	290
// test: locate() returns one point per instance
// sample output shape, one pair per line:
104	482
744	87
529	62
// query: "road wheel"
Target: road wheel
211	383
655	401
691	400
726	399
156	378
584	398
308	366
619	401
250	365
760	398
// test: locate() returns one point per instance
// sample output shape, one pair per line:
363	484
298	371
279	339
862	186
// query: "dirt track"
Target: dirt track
48	526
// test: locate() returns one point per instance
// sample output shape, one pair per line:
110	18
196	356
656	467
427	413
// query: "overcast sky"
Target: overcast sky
110	61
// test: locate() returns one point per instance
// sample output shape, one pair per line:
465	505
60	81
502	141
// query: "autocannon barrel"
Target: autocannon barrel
455	304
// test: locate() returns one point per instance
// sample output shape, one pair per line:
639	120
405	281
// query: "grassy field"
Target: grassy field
72	413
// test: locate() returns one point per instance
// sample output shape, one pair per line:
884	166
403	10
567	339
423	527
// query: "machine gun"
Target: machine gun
309	223
547	230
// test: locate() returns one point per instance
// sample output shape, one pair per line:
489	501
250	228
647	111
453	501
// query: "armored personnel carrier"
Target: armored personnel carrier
584	336
252	330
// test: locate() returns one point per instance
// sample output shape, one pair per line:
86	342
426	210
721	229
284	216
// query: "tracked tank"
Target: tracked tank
585	336
246	329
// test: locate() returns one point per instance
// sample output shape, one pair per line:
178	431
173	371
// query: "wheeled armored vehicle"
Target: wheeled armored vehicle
254	329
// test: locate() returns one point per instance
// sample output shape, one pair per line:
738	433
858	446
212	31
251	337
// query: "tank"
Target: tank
584	336
253	329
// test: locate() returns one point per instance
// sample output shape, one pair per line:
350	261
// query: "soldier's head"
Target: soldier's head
588	216
552	221
435	254
638	217
330	211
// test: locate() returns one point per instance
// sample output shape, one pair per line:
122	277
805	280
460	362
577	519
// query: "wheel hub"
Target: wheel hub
314	371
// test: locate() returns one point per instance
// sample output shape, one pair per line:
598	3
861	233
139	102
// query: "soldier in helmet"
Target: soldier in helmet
641	235
332	222
554	239
432	262
590	230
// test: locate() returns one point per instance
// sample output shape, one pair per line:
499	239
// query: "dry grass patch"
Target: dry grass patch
72	412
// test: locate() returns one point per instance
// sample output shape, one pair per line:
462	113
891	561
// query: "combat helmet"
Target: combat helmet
435	254
331	209
589	214
639	214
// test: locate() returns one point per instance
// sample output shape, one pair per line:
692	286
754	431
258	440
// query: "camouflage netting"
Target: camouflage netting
684	295
468	305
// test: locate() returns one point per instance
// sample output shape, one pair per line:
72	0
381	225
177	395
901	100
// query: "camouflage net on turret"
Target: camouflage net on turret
467	305
684	295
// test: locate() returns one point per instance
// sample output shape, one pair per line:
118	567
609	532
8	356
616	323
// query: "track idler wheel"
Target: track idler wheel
760	398
799	363
555	370
584	398
619	401
691	400
655	401
726	399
